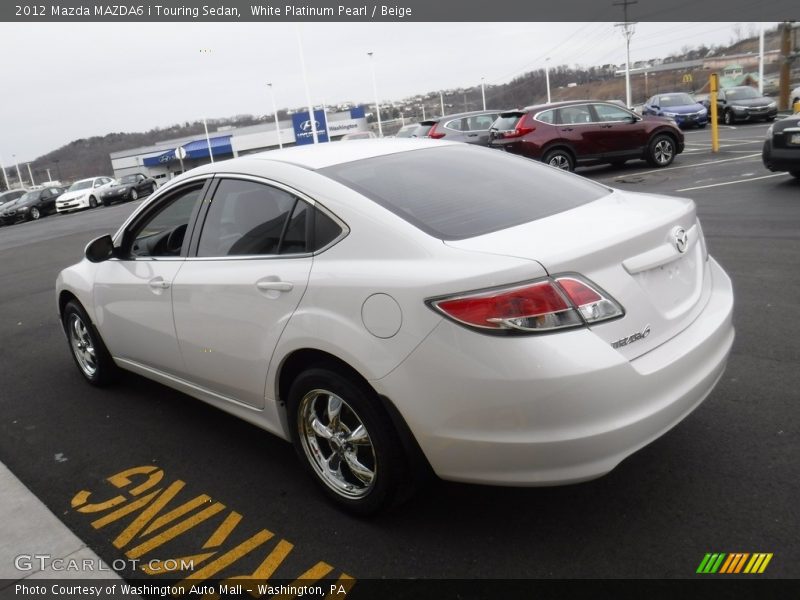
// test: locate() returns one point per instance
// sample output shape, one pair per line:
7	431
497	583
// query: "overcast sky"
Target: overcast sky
64	81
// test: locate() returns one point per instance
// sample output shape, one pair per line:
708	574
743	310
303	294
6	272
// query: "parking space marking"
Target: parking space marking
711	162
701	187
160	521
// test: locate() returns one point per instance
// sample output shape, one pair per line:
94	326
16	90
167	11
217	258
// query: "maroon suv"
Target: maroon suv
566	134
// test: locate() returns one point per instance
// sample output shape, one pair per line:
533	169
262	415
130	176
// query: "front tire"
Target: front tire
661	151
35	214
560	159
728	118
92	202
87	348
346	441
134	194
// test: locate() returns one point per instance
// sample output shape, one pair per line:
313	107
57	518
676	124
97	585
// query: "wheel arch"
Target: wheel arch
305	358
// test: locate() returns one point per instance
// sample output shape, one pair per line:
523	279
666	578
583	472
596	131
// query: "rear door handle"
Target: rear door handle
566	129
277	286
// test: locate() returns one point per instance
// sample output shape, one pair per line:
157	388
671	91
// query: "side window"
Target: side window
163	233
548	116
480	122
248	218
455	125
606	112
575	115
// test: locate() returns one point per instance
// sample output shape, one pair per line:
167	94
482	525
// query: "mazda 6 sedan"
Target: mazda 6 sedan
394	307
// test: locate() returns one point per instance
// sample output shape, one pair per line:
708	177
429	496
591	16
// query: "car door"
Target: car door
624	133
133	291
575	125
232	300
478	129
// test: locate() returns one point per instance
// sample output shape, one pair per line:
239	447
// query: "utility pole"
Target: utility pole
627	31
787	56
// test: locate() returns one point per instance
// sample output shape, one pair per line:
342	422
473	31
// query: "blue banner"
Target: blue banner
302	127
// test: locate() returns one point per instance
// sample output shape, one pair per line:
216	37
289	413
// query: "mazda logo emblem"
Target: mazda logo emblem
680	239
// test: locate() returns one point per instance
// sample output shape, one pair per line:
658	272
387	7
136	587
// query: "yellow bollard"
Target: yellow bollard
713	85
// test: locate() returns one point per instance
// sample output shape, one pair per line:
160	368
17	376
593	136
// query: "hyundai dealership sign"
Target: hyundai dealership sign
303	133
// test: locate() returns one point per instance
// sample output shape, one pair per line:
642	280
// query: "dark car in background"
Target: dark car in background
744	103
129	187
781	151
10	196
31	206
582	132
680	106
469	127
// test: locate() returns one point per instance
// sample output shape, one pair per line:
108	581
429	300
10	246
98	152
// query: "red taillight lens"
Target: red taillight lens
542	305
524	126
433	133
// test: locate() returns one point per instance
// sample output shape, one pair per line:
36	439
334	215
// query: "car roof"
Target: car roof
319	156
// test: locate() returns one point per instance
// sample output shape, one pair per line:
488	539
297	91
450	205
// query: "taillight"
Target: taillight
524	126
547	304
435	134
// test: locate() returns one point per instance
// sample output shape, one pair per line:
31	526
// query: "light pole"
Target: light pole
19	175
627	31
33	183
423	112
5	177
375	93
441	101
207	52
483	93
547	76
275	114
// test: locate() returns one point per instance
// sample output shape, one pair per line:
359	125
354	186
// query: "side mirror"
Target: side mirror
656	106
100	249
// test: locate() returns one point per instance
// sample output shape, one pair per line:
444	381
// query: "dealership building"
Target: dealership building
165	160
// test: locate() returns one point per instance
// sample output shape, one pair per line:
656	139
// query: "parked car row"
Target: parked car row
781	151
33	204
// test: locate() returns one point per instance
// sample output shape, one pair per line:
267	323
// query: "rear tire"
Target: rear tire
560	159
346	441
86	346
661	151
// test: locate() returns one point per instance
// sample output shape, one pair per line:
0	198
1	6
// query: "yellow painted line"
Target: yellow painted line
229	557
315	573
125	510
178	512
703	187
223	531
132	530
274	559
175	531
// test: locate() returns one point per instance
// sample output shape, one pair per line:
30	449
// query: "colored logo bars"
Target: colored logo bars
737	562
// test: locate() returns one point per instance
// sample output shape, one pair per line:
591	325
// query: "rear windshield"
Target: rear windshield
458	192
506	122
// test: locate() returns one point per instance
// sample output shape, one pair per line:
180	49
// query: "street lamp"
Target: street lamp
207	52
33	183
547	76
5	177
483	93
441	101
375	93
275	113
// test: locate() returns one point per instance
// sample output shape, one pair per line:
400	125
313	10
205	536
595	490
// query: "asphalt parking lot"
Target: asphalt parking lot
727	479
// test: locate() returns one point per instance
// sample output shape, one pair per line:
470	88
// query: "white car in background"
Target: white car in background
392	304
84	193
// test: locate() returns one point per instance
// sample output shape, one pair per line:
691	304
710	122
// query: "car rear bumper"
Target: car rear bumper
553	409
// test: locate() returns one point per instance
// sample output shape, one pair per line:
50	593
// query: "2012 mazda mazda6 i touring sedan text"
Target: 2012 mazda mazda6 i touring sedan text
395	305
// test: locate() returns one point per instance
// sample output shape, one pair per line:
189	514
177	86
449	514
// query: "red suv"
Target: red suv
566	134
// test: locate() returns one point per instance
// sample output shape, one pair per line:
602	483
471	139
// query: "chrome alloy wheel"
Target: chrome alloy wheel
82	345
337	444
559	161
662	152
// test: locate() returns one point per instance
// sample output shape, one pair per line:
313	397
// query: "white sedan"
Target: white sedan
84	193
397	305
